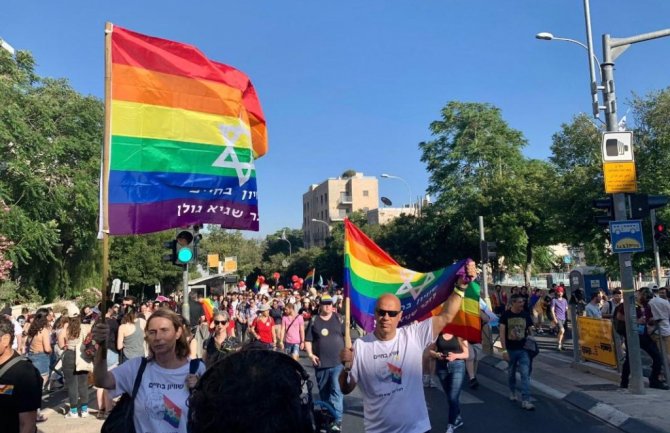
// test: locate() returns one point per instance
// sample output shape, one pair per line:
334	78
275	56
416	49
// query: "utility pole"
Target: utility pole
185	311
612	48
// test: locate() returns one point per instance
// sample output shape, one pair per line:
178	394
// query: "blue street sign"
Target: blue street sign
627	236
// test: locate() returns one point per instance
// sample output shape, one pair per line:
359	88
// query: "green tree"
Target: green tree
138	260
50	138
477	169
228	243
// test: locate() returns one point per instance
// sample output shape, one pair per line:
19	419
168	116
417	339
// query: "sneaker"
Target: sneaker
527	405
560	348
450	428
336	427
458	423
513	397
71	415
101	415
474	383
84	413
658	385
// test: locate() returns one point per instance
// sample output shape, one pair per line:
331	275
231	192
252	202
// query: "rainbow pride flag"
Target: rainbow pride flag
369	272
309	278
185	131
208	309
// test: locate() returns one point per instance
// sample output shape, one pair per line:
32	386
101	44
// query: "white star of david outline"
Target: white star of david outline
228	159
407	287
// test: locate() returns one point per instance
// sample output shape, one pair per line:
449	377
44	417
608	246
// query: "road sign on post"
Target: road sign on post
627	236
617	147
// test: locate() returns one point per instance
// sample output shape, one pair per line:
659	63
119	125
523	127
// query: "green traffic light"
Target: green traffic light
185	255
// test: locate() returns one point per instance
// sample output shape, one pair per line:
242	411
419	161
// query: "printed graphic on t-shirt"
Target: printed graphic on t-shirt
160	407
516	328
396	373
6	389
172	412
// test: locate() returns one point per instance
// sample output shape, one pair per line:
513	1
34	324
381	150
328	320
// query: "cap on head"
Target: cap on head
326	300
264	307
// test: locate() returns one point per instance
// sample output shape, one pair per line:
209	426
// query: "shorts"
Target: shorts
292	349
561	325
475	351
41	362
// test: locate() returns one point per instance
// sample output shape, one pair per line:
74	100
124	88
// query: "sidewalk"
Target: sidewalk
595	389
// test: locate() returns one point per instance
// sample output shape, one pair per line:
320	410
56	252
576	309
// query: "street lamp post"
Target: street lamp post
612	48
409	190
322	222
283	238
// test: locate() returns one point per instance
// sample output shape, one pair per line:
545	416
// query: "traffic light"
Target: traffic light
488	251
185	247
641	204
607	205
172	255
660	232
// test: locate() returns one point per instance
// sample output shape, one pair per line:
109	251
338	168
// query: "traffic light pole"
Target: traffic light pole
185	312
612	48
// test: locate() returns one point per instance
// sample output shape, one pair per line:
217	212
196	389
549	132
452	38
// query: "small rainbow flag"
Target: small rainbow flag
185	131
208	308
309	279
370	272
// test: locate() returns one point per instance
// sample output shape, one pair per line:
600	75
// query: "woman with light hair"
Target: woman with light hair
165	376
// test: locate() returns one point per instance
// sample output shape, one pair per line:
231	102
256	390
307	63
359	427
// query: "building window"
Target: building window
365	193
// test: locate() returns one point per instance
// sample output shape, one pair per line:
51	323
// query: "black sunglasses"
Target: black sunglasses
220	322
382	313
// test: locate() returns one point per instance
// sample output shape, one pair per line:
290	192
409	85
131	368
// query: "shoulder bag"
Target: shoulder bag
121	418
531	347
11	364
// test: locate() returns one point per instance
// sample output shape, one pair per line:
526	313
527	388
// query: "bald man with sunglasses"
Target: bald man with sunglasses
386	364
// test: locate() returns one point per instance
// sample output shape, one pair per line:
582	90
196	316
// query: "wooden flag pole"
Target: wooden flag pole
104	181
347	323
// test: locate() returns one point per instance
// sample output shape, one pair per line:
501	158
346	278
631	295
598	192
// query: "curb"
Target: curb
583	401
609	414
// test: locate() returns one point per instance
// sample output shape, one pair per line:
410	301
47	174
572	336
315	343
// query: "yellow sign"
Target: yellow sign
213	260
596	340
620	177
230	264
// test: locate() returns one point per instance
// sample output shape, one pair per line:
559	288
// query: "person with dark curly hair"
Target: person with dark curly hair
38	343
75	368
233	396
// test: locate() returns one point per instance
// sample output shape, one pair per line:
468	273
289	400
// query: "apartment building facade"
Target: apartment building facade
334	199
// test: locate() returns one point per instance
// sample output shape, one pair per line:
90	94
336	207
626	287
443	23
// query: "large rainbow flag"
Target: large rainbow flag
369	272
185	131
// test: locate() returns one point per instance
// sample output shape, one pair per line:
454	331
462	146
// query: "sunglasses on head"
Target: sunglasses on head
382	313
220	322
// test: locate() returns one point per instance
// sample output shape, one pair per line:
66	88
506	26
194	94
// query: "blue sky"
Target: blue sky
354	84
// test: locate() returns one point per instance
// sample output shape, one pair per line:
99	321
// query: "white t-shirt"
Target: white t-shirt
160	405
660	310
18	329
388	374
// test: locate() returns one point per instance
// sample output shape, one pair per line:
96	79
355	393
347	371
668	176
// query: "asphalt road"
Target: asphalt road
488	409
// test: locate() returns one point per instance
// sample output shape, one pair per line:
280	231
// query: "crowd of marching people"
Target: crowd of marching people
172	371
